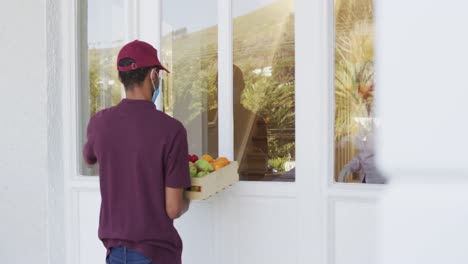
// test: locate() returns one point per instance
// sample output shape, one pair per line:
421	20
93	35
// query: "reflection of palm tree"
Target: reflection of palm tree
354	75
202	132
184	111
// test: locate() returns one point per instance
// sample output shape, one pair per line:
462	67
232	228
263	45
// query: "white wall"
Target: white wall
23	141
422	50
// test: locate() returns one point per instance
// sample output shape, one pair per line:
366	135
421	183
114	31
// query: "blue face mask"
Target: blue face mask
156	89
155	95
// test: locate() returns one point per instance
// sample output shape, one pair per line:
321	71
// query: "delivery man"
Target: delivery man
143	166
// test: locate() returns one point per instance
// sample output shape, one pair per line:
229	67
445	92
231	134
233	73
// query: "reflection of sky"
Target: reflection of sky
246	6
194	15
105	22
200	14
106	17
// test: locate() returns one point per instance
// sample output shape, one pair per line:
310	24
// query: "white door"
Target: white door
270	216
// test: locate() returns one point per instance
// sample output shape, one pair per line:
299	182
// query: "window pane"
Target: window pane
264	89
103	23
355	121
190	51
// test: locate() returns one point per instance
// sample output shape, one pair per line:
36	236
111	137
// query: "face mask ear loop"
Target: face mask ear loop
156	91
152	80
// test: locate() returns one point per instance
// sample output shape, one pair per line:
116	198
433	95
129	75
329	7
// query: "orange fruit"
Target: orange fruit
219	163
207	158
222	160
213	164
217	166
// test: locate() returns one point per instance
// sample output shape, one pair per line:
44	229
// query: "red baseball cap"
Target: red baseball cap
142	53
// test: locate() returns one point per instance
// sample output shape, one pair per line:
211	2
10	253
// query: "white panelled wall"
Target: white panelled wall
422	50
23	141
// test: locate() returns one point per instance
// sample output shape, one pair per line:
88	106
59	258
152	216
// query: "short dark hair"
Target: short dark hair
133	77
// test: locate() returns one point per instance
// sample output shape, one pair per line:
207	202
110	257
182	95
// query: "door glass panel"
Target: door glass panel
355	120
102	25
264	89
190	51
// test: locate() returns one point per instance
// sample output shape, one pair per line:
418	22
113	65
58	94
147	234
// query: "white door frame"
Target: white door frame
338	197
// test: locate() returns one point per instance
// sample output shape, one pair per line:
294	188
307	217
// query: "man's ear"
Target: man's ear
151	75
147	80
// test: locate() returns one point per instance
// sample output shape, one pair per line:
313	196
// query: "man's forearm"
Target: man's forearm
186	205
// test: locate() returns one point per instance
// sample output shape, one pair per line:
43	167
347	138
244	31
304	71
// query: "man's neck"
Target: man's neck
135	97
135	94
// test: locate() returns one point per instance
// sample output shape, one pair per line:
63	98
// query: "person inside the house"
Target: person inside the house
250	134
143	166
250	131
363	163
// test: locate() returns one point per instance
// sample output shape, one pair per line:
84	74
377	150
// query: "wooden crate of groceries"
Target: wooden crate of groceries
210	176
